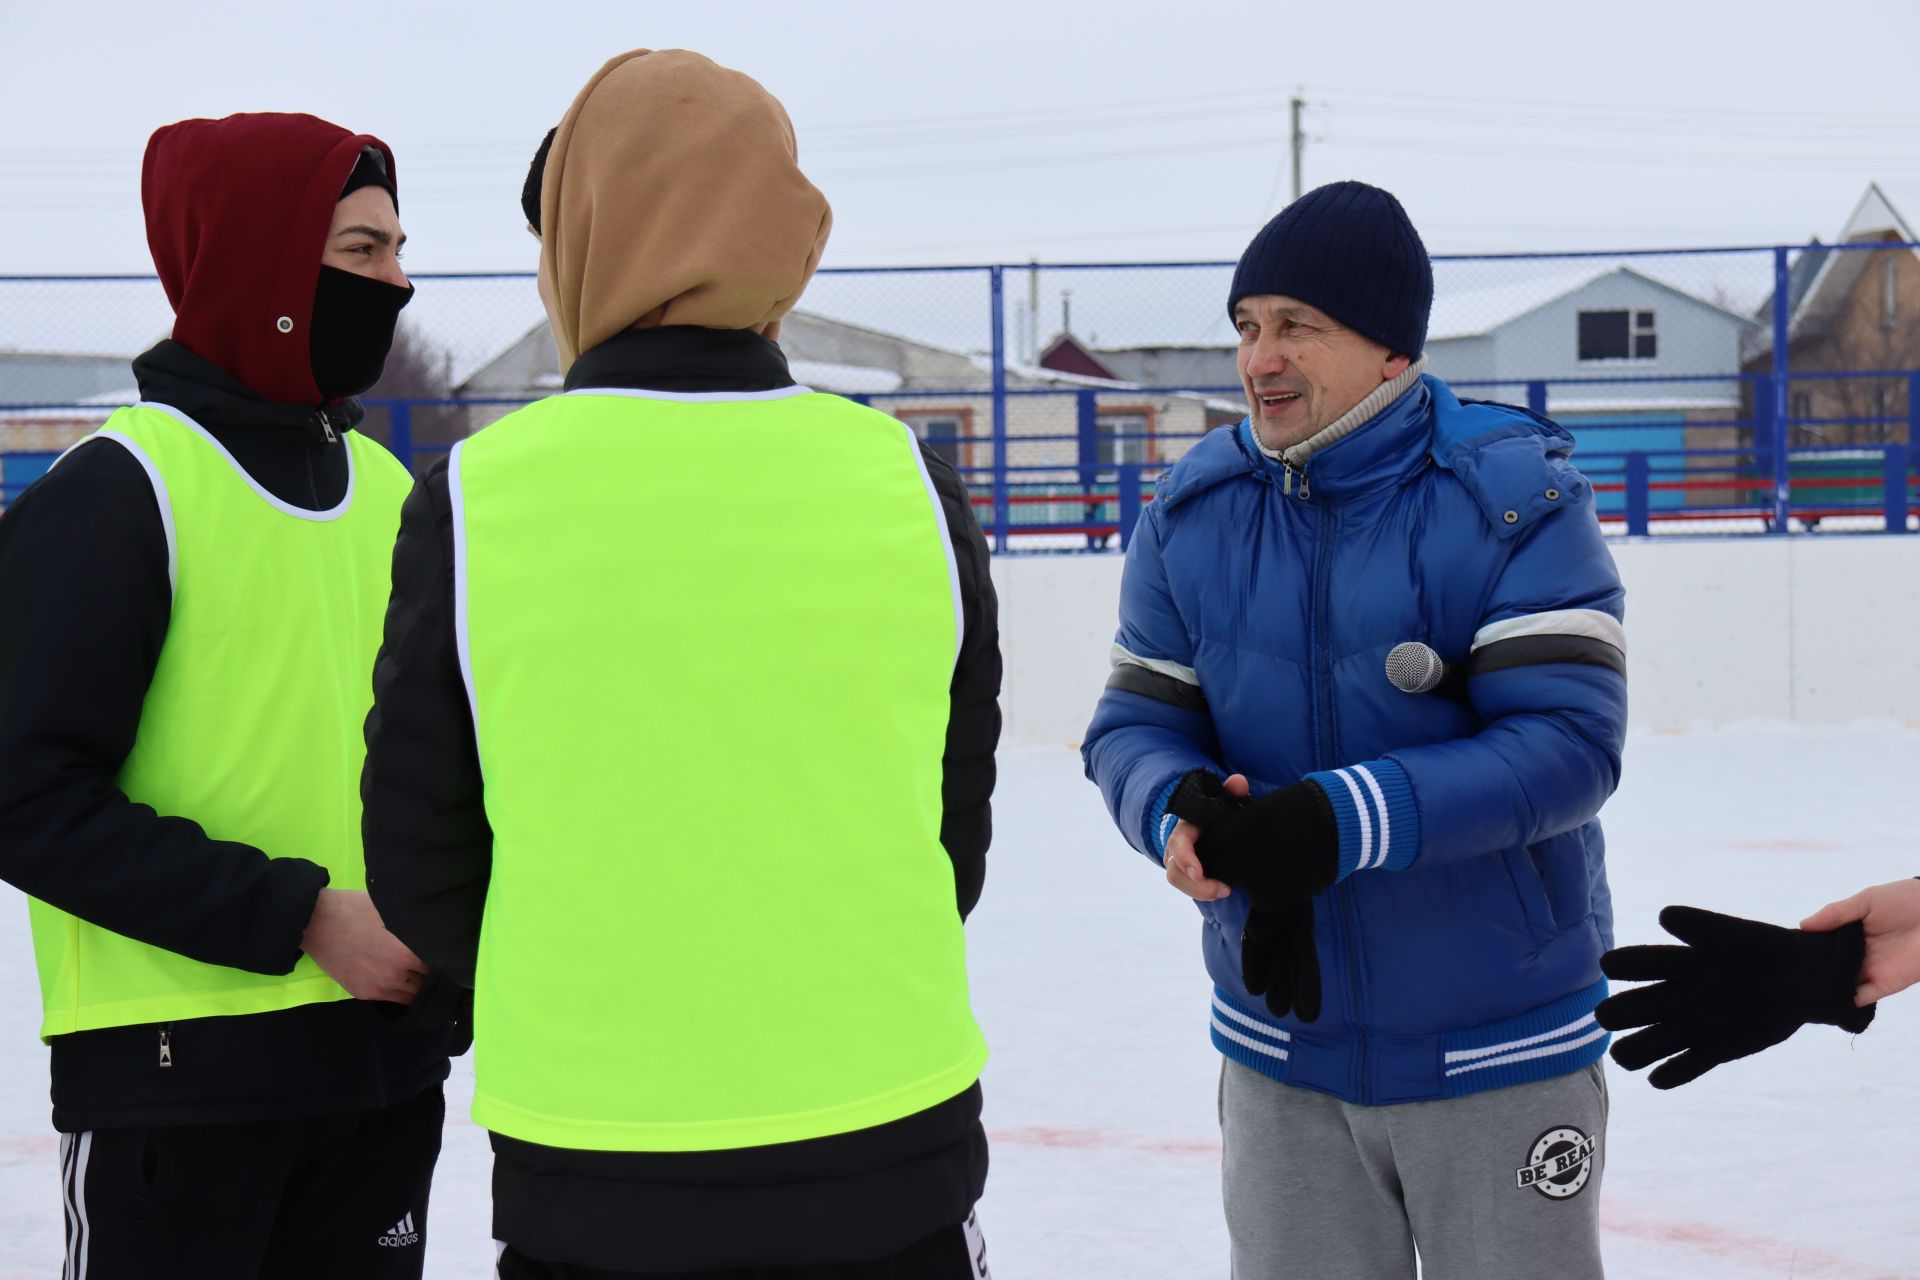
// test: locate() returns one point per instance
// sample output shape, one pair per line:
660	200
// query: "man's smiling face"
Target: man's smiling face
1302	370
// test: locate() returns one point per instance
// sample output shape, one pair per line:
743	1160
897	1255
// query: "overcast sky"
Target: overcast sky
999	131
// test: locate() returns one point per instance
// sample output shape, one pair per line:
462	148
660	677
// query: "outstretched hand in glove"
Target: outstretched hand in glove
1736	987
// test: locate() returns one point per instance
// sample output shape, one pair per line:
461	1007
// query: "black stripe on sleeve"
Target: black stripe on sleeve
1535	651
1129	678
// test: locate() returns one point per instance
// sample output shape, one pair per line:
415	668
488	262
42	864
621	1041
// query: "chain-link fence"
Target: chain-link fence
1710	391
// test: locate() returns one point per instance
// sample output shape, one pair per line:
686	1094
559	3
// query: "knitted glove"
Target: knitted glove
1277	960
1202	798
1740	986
1280	849
1277	957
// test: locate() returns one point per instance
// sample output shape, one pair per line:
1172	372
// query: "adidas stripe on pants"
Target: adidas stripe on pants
314	1198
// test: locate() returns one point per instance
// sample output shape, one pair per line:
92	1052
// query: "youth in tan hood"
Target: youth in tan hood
673	196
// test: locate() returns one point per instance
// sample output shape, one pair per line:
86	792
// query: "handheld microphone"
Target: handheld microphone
1414	667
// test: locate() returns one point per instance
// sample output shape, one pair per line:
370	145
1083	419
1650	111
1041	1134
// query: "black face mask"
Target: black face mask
353	319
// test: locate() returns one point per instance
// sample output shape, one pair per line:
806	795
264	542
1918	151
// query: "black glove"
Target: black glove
1277	958
1739	987
1281	849
1202	798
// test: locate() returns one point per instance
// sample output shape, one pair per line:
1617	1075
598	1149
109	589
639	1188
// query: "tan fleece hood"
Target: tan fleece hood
673	196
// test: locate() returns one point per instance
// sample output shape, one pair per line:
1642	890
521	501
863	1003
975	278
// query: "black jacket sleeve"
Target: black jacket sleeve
84	578
973	724
428	845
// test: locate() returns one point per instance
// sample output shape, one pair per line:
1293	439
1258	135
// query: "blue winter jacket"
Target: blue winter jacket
1460	946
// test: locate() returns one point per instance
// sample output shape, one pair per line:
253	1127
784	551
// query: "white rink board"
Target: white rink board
1817	630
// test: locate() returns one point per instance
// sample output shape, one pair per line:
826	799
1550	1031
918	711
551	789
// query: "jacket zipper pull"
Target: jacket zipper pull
166	1046
1286	480
326	426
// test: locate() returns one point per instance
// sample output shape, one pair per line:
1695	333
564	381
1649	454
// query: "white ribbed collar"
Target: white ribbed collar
1349	422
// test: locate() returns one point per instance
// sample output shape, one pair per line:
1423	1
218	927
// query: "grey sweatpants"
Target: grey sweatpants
1502	1185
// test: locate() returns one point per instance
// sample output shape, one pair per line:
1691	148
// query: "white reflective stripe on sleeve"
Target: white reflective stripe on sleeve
160	497
462	637
946	539
1366	824
1123	657
1591	623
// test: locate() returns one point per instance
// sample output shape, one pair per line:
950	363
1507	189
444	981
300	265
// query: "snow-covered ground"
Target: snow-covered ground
1100	1096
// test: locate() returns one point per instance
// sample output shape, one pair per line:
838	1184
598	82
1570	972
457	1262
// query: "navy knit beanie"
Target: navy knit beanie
1348	249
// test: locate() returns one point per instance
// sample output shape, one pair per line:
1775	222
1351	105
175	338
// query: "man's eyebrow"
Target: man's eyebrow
375	234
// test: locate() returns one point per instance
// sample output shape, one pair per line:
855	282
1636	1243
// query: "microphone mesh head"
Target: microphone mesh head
1414	668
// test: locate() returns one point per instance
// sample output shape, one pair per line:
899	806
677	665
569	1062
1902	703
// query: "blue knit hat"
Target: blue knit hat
1348	249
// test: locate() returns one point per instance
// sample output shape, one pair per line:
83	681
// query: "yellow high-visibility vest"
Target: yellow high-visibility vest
709	642
253	725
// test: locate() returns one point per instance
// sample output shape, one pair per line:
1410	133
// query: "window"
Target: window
945	430
1801	407
1889	293
1882	403
1126	435
1618	335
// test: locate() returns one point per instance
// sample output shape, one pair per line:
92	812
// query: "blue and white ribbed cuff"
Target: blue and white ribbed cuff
1374	811
1160	823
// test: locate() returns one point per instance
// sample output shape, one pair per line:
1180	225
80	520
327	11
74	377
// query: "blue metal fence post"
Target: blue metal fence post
1129	501
1087	448
1913	410
1639	477
997	285
1896	488
1782	369
1537	397
400	431
1763	424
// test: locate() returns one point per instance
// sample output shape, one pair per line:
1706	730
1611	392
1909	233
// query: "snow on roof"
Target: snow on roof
1468	313
848	379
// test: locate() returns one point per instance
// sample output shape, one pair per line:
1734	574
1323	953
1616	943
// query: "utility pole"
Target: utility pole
1299	143
1033	310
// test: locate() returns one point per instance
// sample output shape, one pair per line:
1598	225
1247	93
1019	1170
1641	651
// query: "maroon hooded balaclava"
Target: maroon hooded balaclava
237	216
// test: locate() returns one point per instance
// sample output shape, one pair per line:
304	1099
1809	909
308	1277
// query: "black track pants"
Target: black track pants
323	1196
952	1253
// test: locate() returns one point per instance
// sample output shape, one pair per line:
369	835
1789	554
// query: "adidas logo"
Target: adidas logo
400	1234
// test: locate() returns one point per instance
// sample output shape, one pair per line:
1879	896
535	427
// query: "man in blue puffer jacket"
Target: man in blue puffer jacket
1434	858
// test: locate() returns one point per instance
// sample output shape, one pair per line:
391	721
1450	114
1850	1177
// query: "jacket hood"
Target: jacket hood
237	215
673	196
1510	459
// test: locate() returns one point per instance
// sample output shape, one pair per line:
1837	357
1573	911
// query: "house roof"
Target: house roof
822	352
1067	354
1173	366
1473	313
1822	276
39	377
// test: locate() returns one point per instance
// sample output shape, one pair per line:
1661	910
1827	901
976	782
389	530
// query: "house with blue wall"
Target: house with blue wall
1630	363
